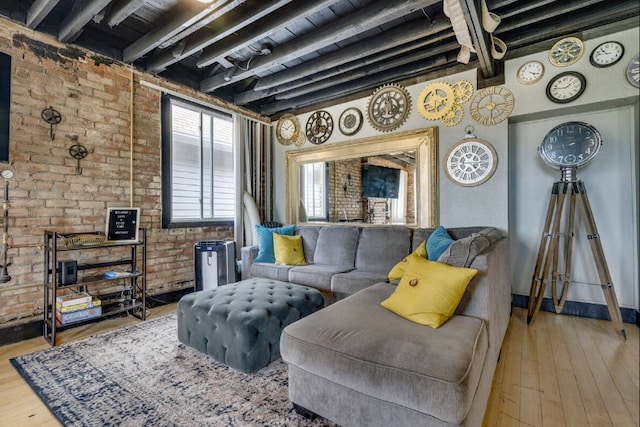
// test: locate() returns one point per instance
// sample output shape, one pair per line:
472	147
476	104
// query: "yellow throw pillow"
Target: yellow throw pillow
398	270
429	292
288	250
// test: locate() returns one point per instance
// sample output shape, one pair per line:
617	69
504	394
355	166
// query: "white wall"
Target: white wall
606	102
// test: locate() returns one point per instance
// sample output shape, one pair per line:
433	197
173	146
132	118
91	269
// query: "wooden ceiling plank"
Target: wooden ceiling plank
234	21
479	36
348	26
81	13
121	11
398	36
38	11
187	13
261	29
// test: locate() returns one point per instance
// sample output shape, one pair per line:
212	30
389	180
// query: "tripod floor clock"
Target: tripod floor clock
567	147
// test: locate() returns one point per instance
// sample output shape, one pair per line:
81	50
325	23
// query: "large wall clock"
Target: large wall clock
319	127
566	52
350	121
471	162
566	87
491	105
606	54
389	107
288	129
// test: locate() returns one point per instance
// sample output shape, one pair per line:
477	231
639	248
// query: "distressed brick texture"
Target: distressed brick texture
92	93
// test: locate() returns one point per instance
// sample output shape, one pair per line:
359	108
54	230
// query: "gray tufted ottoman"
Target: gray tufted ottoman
240	324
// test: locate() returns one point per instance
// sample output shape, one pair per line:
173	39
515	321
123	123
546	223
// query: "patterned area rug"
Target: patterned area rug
142	375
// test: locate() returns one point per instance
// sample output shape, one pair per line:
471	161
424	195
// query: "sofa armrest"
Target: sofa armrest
488	295
247	255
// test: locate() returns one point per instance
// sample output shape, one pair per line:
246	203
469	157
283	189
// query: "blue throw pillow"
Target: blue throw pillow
265	241
438	242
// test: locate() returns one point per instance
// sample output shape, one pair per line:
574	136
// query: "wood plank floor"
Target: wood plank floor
560	371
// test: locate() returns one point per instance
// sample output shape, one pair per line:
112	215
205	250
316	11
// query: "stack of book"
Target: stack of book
77	306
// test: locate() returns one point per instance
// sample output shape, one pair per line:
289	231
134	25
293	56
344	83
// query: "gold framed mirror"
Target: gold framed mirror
417	149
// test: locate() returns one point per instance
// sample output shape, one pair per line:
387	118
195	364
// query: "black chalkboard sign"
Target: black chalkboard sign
122	224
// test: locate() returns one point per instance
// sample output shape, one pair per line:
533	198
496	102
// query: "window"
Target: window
198	185
313	191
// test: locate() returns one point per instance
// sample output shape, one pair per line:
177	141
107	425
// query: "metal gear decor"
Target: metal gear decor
436	100
454	116
463	91
389	107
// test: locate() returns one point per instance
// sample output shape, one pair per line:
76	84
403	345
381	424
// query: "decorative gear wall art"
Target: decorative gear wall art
454	116
389	107
436	100
492	105
462	90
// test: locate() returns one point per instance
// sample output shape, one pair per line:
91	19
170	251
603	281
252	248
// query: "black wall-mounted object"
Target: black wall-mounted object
379	181
5	104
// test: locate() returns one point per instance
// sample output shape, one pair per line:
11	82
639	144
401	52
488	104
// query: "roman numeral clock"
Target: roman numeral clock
471	161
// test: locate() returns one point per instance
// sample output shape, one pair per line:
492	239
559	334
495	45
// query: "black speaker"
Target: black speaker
68	272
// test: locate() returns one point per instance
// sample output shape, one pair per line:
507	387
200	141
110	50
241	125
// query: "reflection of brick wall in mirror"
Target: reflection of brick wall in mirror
5	103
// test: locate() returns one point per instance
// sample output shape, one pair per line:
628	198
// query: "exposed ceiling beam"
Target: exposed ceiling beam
400	35
122	9
38	11
356	86
233	22
184	15
339	71
371	16
81	13
479	36
261	29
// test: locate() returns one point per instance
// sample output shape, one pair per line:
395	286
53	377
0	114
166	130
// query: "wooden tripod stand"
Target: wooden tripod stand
546	268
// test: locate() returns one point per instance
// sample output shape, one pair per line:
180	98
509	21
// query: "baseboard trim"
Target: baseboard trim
25	331
581	309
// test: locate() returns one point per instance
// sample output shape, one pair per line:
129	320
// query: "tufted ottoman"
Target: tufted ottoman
240	324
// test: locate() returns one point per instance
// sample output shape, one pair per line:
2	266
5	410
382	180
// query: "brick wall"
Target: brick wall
92	93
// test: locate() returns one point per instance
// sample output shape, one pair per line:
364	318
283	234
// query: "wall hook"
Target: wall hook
52	117
79	152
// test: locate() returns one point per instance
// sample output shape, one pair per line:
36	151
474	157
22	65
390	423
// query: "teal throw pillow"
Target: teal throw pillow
438	242
265	241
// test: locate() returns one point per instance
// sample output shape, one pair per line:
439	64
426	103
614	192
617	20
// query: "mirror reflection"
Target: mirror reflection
375	190
385	179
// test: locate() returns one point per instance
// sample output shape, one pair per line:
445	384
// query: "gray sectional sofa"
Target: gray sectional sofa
358	364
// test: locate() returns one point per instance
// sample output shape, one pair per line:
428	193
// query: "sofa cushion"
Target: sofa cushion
356	280
265	241
271	271
288	250
315	275
463	251
399	269
380	248
337	246
438	242
309	235
355	343
429	292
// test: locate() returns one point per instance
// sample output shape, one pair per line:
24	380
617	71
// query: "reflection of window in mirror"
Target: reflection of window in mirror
313	192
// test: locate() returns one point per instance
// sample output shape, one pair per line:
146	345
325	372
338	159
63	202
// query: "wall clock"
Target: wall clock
566	87
319	127
633	71
471	162
287	129
570	144
350	121
606	54
389	107
491	105
566	52
530	72
436	100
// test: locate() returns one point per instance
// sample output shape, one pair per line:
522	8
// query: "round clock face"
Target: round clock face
6	173
566	87
319	127
287	129
566	52
471	162
389	107
633	71
492	105
570	144
606	54
350	121
530	72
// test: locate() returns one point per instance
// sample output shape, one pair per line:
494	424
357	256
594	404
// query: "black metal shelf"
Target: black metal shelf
136	282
